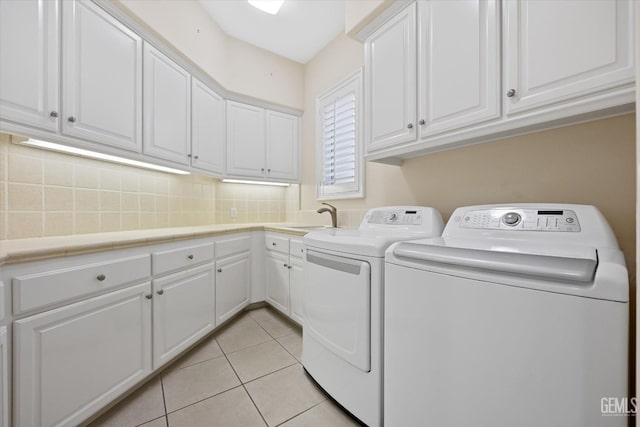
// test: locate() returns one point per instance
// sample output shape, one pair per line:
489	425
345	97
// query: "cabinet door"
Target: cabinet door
277	280
71	361
4	378
29	57
233	281
167	108
390	82
282	145
102	77
296	290
207	129
245	140
183	311
564	49
459	69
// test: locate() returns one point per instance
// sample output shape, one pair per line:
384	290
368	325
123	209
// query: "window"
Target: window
339	161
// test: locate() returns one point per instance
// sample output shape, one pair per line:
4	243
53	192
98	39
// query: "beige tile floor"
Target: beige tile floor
248	374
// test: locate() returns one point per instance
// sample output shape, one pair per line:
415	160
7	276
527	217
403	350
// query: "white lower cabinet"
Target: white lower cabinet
233	281
4	378
183	311
296	290
284	278
277	280
71	361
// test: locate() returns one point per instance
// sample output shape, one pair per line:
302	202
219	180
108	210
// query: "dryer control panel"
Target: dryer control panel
395	217
554	220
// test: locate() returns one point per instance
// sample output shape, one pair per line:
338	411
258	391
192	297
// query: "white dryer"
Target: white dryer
344	272
516	316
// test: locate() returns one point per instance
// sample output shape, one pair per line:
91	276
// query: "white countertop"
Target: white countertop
22	250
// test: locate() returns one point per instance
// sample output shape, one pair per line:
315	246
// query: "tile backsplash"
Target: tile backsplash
43	193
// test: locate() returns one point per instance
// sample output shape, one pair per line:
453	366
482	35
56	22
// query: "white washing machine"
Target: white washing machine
342	335
516	316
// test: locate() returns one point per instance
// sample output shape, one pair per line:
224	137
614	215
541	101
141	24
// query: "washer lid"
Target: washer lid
357	241
574	264
571	269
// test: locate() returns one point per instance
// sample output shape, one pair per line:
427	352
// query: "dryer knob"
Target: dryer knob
511	218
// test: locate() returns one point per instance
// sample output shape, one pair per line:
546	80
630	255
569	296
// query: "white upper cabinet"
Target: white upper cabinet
390	82
261	143
559	50
29	62
167	108
459	64
282	145
245	140
207	128
102	77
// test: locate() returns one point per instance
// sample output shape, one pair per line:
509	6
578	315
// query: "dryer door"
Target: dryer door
338	306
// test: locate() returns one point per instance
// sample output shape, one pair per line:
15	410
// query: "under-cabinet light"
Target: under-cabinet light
269	6
242	181
99	156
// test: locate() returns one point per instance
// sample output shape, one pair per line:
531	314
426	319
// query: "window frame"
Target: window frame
352	83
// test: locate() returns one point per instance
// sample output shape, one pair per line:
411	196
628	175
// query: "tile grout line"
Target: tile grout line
246	391
297	415
164	401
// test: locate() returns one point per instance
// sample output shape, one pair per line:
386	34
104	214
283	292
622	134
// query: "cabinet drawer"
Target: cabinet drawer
50	287
177	259
296	248
277	243
233	246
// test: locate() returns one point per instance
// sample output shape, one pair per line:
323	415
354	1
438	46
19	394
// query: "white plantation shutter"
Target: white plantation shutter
339	154
340	141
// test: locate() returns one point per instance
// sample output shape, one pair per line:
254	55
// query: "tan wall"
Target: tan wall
237	66
591	163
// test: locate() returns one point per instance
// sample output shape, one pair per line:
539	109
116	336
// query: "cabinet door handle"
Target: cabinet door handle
189	155
286	265
148	296
190	256
422	122
269	170
53	114
160	292
511	93
262	169
219	270
71	119
289	267
101	277
410	126
196	157
274	244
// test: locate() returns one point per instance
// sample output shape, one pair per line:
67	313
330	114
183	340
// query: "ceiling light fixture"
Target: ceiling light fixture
269	6
242	181
99	156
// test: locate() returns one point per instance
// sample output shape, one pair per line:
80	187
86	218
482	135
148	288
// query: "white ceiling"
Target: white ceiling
299	31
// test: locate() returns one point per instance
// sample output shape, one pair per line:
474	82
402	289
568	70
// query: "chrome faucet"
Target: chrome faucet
333	212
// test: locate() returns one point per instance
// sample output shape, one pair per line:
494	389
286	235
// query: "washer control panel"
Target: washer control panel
395	217
521	219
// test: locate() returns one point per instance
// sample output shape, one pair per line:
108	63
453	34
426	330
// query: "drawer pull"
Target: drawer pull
148	296
101	277
160	292
219	270
190	256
